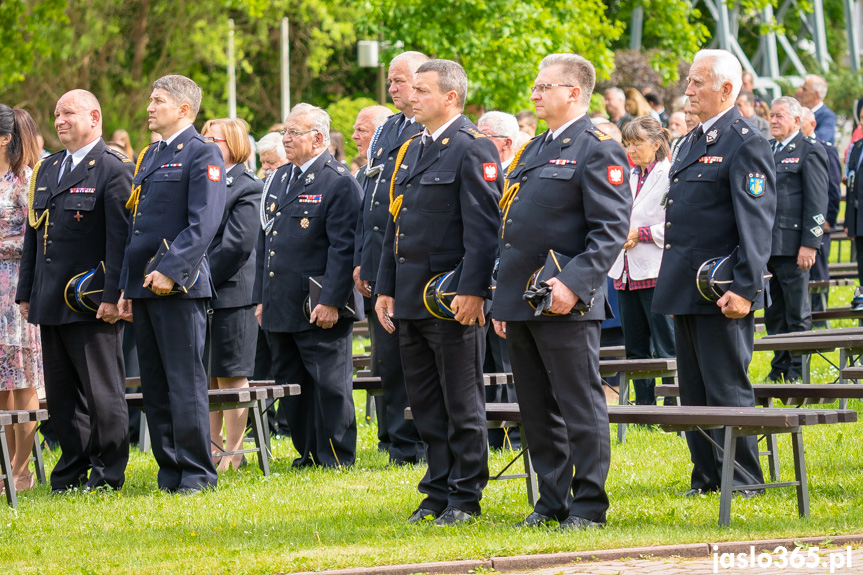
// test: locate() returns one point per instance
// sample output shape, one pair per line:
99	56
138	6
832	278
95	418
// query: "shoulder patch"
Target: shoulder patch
598	134
338	167
470	129
119	155
251	175
744	129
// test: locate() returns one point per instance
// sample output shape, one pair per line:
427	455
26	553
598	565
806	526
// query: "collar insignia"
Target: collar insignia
92	162
56	162
566	141
379	152
179	146
284	176
791	147
444	142
229	180
309	179
712	135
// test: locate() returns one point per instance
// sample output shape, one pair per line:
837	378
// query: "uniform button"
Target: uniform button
143	197
390	159
185	275
401	236
375	229
554	174
377	203
437	179
278	213
272	253
515	200
408	186
138	215
699	175
272	274
667	224
507	246
47	260
524	178
508	222
401	260
670	202
51	224
676	180
275	233
404	210
55	205
668	246
383	180
593	291
304	213
78	205
50	242
137	232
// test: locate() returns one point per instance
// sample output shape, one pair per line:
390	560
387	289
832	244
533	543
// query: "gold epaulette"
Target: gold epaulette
132	202
396	203
473	132
510	189
599	134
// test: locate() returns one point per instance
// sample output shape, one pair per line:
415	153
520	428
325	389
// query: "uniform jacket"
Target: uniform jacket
312	235
834	179
87	224
801	196
647	212
373	217
722	195
854	191
182	199
449	213
232	253
825	127
574	198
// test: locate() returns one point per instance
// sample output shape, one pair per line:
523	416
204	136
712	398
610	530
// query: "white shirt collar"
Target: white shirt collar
789	138
562	129
173	136
308	164
78	156
818	107
709	123
442	129
505	165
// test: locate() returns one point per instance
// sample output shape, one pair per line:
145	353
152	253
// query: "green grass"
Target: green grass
299	520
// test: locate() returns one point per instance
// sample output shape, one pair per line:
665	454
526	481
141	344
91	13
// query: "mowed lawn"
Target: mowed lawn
315	519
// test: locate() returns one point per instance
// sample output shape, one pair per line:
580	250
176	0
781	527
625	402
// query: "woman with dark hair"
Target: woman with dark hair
20	349
637	267
121	138
337	145
230	350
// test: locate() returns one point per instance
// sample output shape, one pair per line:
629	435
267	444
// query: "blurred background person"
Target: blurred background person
527	122
635	103
677	127
658	111
811	94
20	350
230	350
121	137
337	145
635	271
615	105
271	151
746	106
367	122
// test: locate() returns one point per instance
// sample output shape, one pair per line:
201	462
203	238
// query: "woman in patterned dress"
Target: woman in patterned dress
20	349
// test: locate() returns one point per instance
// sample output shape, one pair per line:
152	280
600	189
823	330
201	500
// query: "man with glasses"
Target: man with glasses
444	217
567	191
396	435
310	215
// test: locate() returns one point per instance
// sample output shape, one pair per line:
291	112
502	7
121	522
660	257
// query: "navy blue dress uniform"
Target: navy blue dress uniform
820	270
85	223
447	215
395	434
181	200
722	196
572	197
801	201
310	233
234	329
854	201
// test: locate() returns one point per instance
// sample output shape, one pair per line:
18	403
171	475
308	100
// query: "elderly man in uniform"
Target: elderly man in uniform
271	151
445	214
396	435
78	222
801	201
177	200
853	213
811	94
722	197
819	271
567	191
369	119
311	209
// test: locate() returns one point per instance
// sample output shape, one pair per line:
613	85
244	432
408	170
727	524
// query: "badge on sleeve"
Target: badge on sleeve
755	184
489	172
214	173
615	175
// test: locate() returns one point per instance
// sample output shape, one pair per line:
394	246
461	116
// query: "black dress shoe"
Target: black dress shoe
750	493
188	490
535	520
422	515
695	492
453	516
574	522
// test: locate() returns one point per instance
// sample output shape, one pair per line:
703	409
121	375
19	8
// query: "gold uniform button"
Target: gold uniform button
272	253
275	233
375	229
668	246
278	213
401	260
272	274
670	202
667	224
676	180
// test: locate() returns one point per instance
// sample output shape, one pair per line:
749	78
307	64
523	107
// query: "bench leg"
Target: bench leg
772	456
143	434
843	363
623	399
6	470
38	462
265	421
800	474
371	413
260	441
531	480
727	482
805	368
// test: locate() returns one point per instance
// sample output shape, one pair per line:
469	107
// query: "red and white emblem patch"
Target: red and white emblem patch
615	175
214	173
489	172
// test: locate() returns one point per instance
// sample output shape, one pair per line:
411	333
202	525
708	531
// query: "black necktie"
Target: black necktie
699	131
161	146
546	140
777	148
402	125
67	167
424	144
295	176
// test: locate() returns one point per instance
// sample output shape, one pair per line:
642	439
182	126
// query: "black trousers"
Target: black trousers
170	334
85	387
442	362
789	311
322	420
556	371
713	355
397	435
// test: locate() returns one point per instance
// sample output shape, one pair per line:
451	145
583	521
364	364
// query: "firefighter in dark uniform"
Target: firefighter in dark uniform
309	233
396	434
178	197
444	200
568	191
78	221
853	211
722	196
801	201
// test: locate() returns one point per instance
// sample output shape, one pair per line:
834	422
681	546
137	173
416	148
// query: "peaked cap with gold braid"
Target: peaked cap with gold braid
396	203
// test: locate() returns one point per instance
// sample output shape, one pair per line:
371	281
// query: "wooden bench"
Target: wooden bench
12	418
735	422
806	343
632	369
248	397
